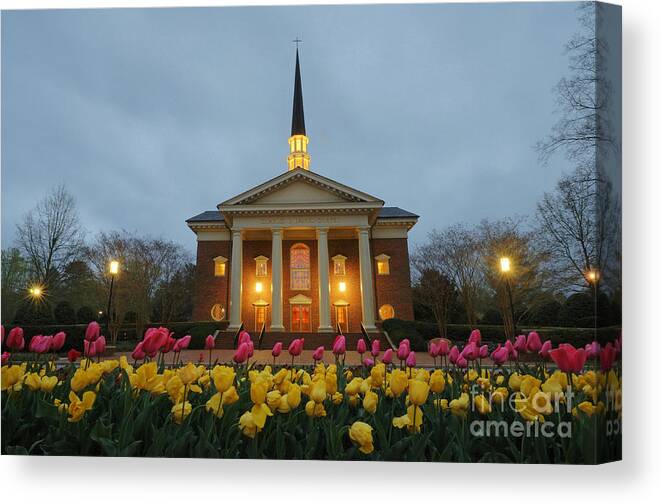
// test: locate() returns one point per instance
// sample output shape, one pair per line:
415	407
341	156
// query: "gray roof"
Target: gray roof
384	213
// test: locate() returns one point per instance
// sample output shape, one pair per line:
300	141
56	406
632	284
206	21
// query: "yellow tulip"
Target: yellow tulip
529	384
294	396
32	381
247	425
482	405
378	374
459	407
78	407
258	392
514	381
398	382
412	420
318	391
188	374
259	413
215	405
418	392
499	395
273	399
361	434
337	398
353	387
541	402
12	378
331	383
313	409
370	402
48	383
437	382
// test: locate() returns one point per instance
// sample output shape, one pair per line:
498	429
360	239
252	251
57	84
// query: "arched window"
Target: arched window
299	267
386	312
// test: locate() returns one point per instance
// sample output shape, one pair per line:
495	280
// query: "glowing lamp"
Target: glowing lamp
505	265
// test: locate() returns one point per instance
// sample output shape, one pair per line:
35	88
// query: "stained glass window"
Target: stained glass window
299	265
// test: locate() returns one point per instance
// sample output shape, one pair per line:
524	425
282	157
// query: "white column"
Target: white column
236	280
366	280
324	282
276	281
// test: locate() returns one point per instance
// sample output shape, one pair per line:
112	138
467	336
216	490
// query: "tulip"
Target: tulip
169	345
376	348
89	348
462	362
387	356
593	350
569	359
434	350
500	355
40	344
155	339
403	350
138	352
73	355
443	347
607	357
5	357
318	354
418	392
367	362
410	360
277	349
242	353
483	351
182	343
15	340
93	331
361	434
296	347
546	348
361	347
58	341
100	345
453	355
520	343
340	346
470	351
533	342
514	354
244	337
475	337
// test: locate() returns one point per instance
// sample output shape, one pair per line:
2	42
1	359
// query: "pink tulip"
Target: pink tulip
453	355
169	344
244	337
209	342
470	352
593	350
93	331
387	356
547	346
58	341
462	363
376	348
138	352
5	357
100	345
475	337
403	350
483	352
251	348
443	347
182	343
514	354
318	354
90	348
296	347
410	359
499	355
533	342
15	340
367	362
242	353
155	339
434	349
40	344
361	347
277	349
607	357
568	358
520	343
340	345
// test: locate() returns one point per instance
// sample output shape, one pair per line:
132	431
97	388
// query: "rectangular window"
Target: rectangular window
300	279
382	268
261	269
219	268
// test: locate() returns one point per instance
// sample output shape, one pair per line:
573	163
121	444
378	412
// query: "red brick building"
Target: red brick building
302	252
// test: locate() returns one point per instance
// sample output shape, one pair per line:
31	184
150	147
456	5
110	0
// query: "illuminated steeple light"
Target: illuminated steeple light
298	141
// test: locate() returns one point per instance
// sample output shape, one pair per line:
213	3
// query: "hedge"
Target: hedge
76	332
419	333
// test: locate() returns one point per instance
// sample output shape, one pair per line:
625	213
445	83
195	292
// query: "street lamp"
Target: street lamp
593	277
36	292
113	269
505	268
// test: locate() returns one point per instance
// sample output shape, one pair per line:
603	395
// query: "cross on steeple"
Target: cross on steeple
297	41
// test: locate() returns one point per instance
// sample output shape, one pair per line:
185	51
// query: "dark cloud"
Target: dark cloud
151	116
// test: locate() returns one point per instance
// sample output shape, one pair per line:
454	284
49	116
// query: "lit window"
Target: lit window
219	265
386	312
261	269
382	264
217	312
299	266
339	265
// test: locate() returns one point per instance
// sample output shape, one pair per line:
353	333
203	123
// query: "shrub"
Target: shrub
30	312
85	315
64	313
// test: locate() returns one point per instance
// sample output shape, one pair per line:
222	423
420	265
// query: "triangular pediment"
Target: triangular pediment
300	187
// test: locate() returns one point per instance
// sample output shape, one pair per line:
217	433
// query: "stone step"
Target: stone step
225	340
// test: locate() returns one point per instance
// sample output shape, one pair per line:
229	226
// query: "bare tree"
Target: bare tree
50	235
435	291
584	98
15	278
454	252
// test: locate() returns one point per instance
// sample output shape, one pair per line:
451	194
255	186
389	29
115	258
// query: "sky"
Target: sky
151	116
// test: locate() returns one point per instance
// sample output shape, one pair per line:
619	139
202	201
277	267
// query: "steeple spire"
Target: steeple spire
298	141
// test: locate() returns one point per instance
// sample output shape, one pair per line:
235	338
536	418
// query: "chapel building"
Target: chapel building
302	253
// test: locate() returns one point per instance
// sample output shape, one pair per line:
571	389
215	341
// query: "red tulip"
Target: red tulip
462	362
410	359
434	349
568	358
93	331
242	353
138	352
15	340
453	355
89	348
520	343
514	354
470	352
387	356
500	355
40	344
296	347
443	347
367	362
546	348
73	355
58	341
155	339
244	337
403	350
376	348
251	348
100	345
533	342
209	342
5	357
169	344
277	349
340	345
182	343
361	347
483	351
318	354
607	357
475	337
593	349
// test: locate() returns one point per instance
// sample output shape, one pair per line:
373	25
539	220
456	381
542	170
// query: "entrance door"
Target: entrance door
342	317
300	318
260	317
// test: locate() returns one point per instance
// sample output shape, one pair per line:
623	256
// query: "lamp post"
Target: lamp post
505	268
36	292
593	277
113	270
